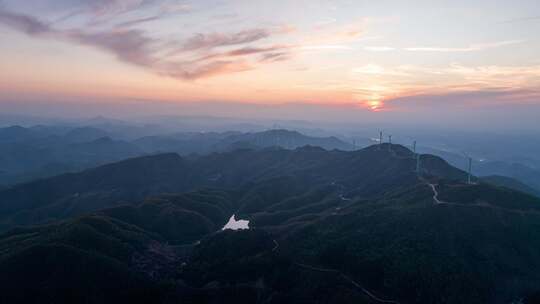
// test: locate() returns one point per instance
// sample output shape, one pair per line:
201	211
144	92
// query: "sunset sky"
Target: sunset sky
373	56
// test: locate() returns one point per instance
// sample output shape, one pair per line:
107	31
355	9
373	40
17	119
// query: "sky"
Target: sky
352	59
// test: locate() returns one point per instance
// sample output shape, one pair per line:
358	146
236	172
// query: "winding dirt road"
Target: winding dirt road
436	195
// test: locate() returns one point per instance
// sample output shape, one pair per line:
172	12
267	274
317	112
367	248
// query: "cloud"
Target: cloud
275	57
379	48
133	22
382	83
214	40
267	53
175	7
128	45
499	76
213	68
334	35
373	69
100	12
471	48
524	19
97	11
467	99
25	24
325	47
254	50
107	8
136	47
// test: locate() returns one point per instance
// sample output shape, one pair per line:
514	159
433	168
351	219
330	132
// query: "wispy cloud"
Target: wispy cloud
266	52
118	11
379	48
131	46
466	99
134	46
207	69
137	21
335	35
471	48
100	11
213	40
275	57
326	47
383	82
23	23
501	76
112	7
128	45
524	19
373	69
254	50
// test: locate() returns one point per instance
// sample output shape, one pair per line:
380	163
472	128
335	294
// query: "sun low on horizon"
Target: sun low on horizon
375	56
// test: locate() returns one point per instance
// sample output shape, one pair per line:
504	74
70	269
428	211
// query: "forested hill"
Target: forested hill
325	226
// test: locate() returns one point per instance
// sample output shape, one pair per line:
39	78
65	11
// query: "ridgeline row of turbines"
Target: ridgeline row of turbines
417	155
292	144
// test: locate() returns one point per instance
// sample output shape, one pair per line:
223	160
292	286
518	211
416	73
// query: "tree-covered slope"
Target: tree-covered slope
367	173
326	227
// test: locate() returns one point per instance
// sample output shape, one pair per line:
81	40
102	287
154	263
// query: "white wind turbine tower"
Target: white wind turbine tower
417	156
413	146
417	163
469	168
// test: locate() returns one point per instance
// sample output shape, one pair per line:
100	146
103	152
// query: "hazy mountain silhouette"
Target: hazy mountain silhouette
44	151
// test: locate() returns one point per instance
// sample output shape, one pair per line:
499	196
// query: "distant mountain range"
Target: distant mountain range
203	143
38	152
325	226
47	150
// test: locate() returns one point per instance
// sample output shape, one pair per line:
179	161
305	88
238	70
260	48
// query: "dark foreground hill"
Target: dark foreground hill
325	227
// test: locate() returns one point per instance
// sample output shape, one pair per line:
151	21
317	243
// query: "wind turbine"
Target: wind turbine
469	168
417	163
413	146
417	157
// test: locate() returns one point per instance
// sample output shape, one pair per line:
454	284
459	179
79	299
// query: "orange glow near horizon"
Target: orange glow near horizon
273	59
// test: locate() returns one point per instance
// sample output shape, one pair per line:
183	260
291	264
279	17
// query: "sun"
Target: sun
375	105
374	102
